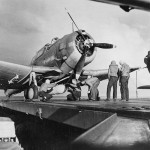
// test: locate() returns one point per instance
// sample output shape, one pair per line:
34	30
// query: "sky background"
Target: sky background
26	26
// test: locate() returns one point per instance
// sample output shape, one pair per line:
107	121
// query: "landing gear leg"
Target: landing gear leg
31	92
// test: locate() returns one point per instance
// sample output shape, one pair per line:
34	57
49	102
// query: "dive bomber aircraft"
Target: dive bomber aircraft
60	61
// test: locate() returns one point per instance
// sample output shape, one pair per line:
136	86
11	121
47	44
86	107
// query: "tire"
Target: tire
26	94
31	92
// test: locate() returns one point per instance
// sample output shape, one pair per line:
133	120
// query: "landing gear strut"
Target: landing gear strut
31	92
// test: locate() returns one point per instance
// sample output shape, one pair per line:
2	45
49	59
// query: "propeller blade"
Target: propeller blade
79	66
104	45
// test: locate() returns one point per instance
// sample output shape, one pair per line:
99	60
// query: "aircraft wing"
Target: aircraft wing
134	69
144	87
103	73
46	72
15	76
12	74
127	5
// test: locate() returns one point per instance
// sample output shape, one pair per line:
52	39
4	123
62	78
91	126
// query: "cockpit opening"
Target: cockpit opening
54	40
44	49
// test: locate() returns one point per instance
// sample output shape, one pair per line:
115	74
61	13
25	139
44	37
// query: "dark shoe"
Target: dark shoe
91	100
122	99
127	100
98	99
114	99
68	99
78	99
43	99
107	99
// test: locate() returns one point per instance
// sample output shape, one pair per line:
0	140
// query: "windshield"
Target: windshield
38	54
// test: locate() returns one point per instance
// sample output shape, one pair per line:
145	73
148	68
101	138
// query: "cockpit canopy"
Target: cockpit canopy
44	49
41	51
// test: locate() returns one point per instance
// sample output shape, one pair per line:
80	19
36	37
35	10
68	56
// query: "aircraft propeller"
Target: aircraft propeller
79	66
86	45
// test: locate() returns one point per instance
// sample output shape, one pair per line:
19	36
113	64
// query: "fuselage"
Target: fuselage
65	52
62	55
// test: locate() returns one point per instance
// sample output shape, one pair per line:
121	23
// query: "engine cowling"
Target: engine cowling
74	50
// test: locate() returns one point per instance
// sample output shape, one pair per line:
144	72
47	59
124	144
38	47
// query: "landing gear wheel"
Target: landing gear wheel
31	92
26	94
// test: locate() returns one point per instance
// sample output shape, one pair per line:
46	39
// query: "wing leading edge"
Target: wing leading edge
103	73
11	74
15	75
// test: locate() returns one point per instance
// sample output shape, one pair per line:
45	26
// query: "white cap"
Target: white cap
47	81
74	81
121	62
